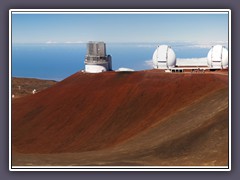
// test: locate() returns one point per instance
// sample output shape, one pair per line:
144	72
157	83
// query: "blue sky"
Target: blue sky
75	28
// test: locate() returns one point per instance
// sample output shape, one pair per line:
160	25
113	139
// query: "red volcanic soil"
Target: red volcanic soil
124	118
24	86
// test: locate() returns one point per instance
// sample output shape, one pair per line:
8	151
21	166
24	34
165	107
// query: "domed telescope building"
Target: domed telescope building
96	60
218	57
164	57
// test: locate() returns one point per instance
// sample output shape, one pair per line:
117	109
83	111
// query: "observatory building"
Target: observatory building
96	60
164	57
218	57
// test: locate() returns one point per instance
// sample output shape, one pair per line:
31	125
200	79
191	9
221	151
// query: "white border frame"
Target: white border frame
118	11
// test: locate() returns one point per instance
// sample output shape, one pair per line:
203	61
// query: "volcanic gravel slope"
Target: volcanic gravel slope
124	118
24	86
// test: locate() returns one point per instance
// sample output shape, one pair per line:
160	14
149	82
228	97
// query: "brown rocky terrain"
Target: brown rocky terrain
24	86
124	118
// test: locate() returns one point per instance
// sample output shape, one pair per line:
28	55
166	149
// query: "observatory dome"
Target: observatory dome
164	57
218	57
96	59
124	69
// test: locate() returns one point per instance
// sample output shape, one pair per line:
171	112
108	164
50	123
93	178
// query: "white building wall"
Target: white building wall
93	68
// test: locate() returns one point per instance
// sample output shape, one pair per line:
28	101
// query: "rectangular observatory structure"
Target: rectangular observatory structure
96	59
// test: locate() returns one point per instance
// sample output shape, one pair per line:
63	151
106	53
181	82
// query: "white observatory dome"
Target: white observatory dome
96	59
218	57
164	57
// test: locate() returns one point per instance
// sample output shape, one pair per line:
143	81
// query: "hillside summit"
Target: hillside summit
124	118
25	86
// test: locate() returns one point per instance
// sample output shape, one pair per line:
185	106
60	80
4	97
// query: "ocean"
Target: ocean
58	61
